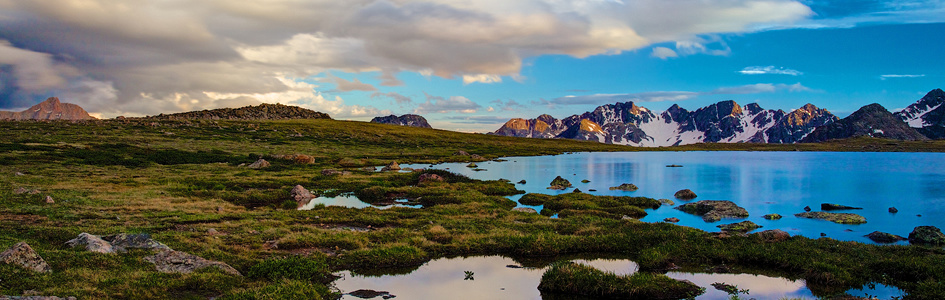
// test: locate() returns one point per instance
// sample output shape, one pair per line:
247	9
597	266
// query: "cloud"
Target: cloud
599	99
398	98
758	70
508	105
436	104
298	93
478	119
483	78
663	53
884	77
343	85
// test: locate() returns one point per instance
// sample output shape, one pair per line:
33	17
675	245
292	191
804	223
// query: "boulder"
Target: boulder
772	217
927	235
18	174
122	242
300	194
525	210
472	165
23	255
92	243
371	294
585	181
841	218
671	220
743	226
561	182
20	190
461	153
428	177
667	202
685	194
477	157
831	206
806	208
893	210
629	187
714	210
522	181
259	164
557	187
171	261
392	166
50	200
883	237
774	235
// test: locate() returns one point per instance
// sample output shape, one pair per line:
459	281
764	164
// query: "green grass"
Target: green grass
577	279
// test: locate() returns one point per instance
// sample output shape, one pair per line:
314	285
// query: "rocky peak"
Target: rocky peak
753	108
51	109
928	114
871	120
404	120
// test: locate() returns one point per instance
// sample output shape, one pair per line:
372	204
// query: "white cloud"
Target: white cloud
436	104
888	76
398	98
35	71
663	53
343	85
758	70
483	78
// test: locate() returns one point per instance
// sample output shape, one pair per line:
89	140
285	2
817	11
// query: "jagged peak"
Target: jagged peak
590	126
752	108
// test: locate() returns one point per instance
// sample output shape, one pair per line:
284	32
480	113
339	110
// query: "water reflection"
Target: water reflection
348	201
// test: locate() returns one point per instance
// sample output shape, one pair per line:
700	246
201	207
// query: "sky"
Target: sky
467	65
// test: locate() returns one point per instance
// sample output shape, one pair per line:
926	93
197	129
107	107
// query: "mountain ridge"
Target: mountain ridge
50	109
403	120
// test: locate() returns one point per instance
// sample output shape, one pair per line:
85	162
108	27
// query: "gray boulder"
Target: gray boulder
525	210
92	243
122	242
171	261
21	254
259	164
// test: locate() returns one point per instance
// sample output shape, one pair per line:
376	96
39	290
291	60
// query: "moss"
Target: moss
576	279
612	205
841	218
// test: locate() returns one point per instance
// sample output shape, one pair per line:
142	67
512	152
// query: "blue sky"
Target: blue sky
468	65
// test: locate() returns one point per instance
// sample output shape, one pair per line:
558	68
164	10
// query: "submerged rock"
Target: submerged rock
893	210
392	166
927	235
774	235
667	202
92	243
831	206
558	181
883	237
472	165
629	187
259	164
585	181
370	294
772	217
300	194
841	218
714	210
525	210
806	208
671	220
171	261
21	254
743	226
685	194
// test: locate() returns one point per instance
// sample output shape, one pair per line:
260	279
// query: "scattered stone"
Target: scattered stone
831	206
370	294
171	261
561	182
92	243
674	166
461	153
428	177
585	181
521	181
50	200
667	202
122	242
213	232
806	208
476	157
671	220
259	164
893	210
774	235
20	190
883	237
472	165
841	218
18	174
23	255
392	166
772	217
714	210
685	194
629	187
927	235
743	226
525	210
300	194
333	172
626	217
514	267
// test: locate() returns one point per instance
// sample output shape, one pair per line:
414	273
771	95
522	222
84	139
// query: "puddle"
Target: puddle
352	202
879	291
497	277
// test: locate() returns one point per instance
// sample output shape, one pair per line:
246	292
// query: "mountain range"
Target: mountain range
51	109
403	120
728	122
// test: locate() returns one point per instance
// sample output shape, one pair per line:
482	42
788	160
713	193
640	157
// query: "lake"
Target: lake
761	182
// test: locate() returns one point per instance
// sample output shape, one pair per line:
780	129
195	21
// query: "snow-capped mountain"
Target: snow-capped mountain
926	115
629	124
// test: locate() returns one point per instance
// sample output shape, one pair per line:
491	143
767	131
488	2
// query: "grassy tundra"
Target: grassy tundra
183	183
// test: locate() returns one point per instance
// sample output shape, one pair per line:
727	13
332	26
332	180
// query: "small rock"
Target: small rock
476	157
560	182
626	217
685	194
831	206
92	243
743	226
585	181
893	210
883	237
332	172
461	153
23	255
772	217
521	181
300	194
212	231
806	208
50	200
259	164
674	166
629	187
823	234
927	235
428	177
392	166
18	174
671	220
369	294
20	190
667	202
774	235
472	165
171	261
525	210
591	190
514	266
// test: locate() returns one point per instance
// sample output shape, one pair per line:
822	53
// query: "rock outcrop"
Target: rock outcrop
628	187
170	261
51	109
21	254
92	243
263	111
872	120
927	235
403	120
883	237
714	210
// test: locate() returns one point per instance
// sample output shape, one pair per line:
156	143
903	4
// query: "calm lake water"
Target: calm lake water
761	182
